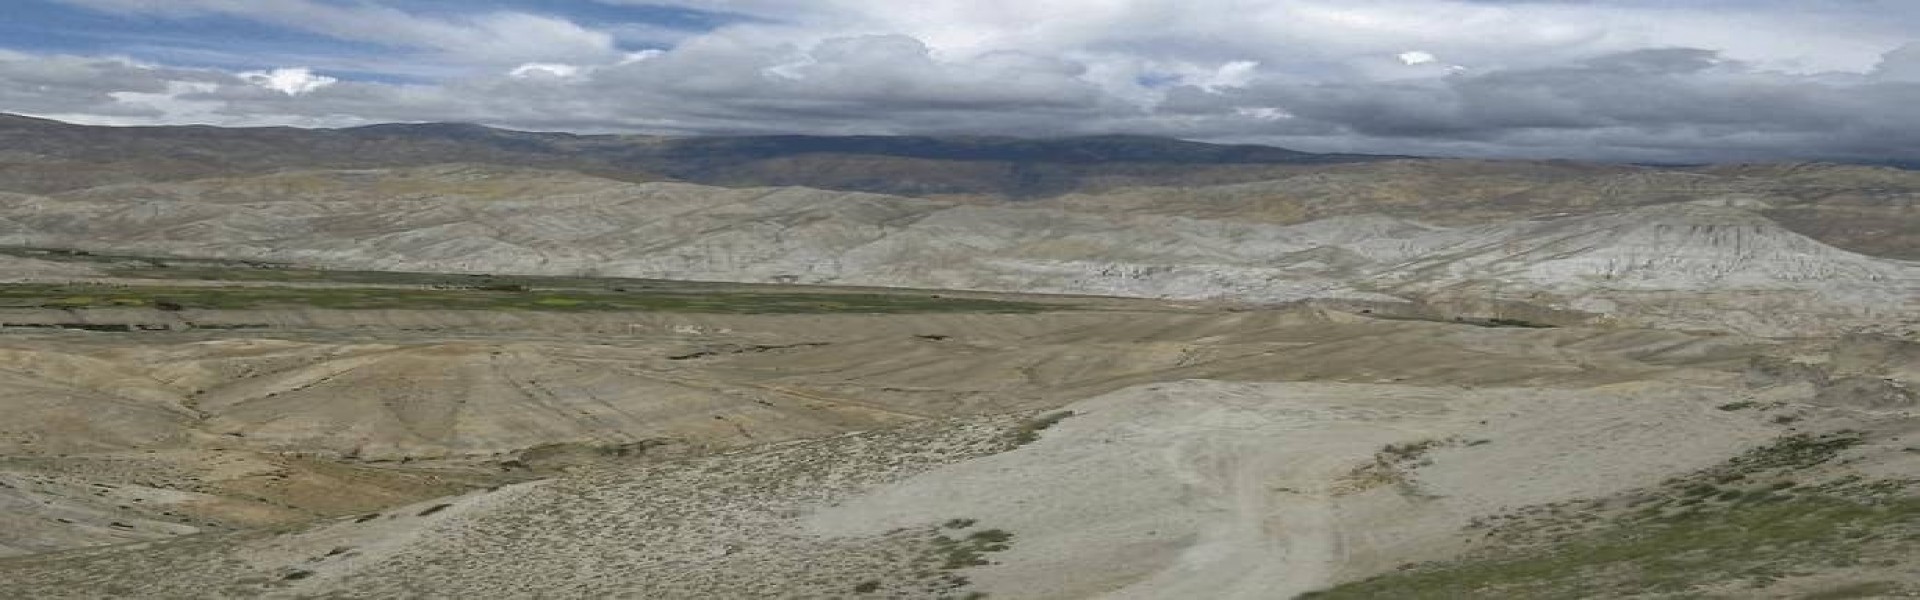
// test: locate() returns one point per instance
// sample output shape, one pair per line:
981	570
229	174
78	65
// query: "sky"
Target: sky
1628	80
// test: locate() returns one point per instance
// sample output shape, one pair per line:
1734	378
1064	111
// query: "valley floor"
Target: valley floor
952	446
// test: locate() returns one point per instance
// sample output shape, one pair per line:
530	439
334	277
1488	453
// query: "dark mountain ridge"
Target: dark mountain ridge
75	156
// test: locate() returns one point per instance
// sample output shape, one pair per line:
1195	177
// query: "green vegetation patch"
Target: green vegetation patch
1755	540
1744	523
1504	322
936	556
89	296
128	261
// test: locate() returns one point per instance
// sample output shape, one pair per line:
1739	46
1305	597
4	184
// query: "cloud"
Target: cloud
292	81
492	37
1668	81
1656	104
1416	57
57	84
558	70
1282	32
1233	74
1901	64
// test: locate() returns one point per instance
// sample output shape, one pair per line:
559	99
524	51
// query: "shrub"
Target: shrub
1029	431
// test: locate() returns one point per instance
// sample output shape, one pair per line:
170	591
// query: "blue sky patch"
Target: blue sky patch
211	40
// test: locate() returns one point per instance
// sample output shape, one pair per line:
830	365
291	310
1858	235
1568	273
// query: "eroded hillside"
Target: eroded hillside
1737	269
445	361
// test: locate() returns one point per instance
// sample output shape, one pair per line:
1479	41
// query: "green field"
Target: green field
341	289
89	296
281	274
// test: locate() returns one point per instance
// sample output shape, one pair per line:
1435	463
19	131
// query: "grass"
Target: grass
126	260
1740	523
1869	589
1755	540
1797	451
90	296
286	274
349	289
209	269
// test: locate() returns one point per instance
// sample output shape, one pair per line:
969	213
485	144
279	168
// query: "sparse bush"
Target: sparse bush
969	552
1411	450
1029	431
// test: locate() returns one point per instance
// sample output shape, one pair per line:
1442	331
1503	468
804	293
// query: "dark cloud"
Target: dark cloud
1662	104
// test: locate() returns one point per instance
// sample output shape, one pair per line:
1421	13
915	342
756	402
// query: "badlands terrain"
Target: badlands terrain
443	361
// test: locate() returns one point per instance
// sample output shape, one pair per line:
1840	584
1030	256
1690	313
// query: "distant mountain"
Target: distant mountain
1073	150
1868	209
45	156
13	120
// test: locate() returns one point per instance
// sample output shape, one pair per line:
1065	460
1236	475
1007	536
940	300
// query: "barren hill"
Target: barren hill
1607	264
1190	488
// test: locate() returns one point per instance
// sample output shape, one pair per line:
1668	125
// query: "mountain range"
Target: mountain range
1551	242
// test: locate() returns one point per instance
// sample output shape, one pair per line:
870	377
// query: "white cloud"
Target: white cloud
1263	113
633	57
550	70
1233	74
1416	57
292	82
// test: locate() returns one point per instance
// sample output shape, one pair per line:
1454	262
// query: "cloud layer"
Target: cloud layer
1667	81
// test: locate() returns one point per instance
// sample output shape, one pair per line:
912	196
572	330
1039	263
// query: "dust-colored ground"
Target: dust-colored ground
1125	449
